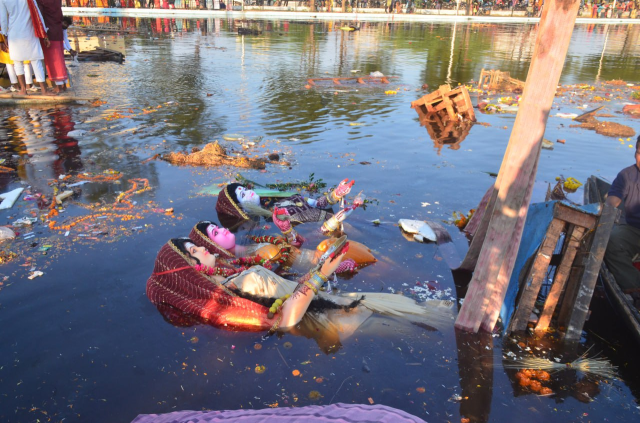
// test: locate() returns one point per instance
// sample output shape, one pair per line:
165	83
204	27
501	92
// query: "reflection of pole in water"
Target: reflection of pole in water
604	47
453	43
242	55
475	369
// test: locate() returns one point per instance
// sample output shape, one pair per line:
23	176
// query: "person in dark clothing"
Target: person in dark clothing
624	242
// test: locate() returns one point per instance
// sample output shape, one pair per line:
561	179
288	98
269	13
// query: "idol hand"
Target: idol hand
330	266
281	219
343	189
359	200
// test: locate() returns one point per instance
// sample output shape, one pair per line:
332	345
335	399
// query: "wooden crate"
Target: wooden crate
454	104
496	80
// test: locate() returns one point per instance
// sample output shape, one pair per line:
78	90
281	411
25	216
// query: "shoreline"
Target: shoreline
363	15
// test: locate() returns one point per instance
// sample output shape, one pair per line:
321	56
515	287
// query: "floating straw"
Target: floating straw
594	366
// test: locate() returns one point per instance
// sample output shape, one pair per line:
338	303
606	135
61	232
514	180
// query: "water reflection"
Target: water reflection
446	132
202	80
475	367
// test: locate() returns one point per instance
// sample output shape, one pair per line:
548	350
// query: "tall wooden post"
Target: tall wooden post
518	172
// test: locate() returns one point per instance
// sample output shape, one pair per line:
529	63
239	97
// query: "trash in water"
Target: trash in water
420	229
567	115
9	198
78	184
35	274
547	145
76	133
63	195
25	221
6	233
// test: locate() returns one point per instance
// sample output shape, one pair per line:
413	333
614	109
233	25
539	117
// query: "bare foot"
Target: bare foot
49	93
22	91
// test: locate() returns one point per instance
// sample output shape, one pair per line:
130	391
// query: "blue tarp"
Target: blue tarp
539	217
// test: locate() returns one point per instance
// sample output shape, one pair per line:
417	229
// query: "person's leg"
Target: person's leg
28	77
12	75
19	68
624	244
38	70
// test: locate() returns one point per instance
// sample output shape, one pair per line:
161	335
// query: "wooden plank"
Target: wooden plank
44	97
587	115
573	283
449	106
421	110
552	42
497	297
483	75
591	270
538	273
572	243
574	217
470	111
590	190
474	222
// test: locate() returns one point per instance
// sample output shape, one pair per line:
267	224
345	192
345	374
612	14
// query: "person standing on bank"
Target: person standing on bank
54	53
624	242
22	24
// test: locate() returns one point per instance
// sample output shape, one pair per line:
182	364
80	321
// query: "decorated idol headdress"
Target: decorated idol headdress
174	282
228	204
199	237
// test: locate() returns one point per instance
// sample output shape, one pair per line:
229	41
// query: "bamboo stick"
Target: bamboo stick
519	171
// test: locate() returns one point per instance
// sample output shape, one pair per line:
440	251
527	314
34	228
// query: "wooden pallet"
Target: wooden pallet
446	132
454	103
586	237
496	80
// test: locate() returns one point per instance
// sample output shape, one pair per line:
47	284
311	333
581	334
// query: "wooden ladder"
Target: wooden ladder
576	275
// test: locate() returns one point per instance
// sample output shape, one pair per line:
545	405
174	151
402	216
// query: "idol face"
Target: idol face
247	196
201	254
221	236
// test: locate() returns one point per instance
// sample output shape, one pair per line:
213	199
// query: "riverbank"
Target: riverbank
374	15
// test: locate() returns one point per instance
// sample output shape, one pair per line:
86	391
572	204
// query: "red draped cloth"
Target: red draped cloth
54	61
38	25
176	284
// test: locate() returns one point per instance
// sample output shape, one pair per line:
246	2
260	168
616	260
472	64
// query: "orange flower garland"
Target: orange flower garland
121	199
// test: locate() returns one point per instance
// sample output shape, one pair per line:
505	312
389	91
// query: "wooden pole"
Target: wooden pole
518	172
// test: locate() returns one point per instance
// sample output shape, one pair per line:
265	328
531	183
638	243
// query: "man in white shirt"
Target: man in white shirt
17	26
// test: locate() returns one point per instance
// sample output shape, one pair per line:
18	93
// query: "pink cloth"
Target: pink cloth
54	61
335	413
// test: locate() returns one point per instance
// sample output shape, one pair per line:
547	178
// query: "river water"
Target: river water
83	343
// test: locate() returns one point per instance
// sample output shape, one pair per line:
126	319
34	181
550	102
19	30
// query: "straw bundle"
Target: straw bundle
594	366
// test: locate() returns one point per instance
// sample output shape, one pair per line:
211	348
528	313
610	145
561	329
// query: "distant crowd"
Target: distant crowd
614	9
33	37
595	9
